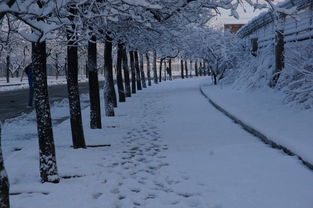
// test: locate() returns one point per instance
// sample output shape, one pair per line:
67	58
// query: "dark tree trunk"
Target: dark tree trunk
4	182
164	71
47	158
119	77
94	95
133	70
190	71
154	68
254	43
182	69
160	70
204	67
138	80
200	72
109	92
196	67
73	94
186	68
170	68
126	73
8	69
142	72
279	57
148	69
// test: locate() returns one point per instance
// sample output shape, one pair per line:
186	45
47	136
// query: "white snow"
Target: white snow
169	148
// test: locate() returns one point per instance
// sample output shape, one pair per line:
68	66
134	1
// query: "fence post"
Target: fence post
279	56
254	43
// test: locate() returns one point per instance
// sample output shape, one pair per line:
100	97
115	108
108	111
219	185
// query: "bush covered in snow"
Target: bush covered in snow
296	79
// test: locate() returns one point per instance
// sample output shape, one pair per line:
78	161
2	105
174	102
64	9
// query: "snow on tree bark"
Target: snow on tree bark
119	78
47	158
142	72
170	68
138	75
109	91
73	94
4	182
133	70
95	109
126	73
148	69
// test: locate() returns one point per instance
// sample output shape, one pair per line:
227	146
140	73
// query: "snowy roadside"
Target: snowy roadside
263	110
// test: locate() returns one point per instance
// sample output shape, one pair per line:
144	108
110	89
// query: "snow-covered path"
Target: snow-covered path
170	148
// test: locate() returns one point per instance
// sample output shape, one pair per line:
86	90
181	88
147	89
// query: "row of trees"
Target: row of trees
165	29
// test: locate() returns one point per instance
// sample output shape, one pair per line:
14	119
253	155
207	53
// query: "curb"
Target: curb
257	133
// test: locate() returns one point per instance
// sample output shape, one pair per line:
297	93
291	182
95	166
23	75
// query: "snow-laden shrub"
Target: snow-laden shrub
296	79
250	71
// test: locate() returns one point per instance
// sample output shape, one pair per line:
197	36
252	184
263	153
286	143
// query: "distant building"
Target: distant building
233	28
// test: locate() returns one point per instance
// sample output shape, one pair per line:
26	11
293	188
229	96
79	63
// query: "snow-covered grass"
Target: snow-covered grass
169	148
263	109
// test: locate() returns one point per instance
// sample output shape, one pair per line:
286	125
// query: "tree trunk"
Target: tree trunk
142	72
126	73
204	71
133	70
4	182
148	69
160	70
279	56
182	69
154	68
190	71
170	68
164	71
73	94
8	69
94	94
200	71
186	68
138	80
109	92
47	158
196	68
119	77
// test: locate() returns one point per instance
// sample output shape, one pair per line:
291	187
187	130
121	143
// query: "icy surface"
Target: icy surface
169	148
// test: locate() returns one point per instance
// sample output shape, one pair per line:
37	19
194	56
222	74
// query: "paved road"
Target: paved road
13	103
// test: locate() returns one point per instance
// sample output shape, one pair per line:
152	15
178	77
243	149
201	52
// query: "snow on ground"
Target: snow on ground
263	110
17	83
169	148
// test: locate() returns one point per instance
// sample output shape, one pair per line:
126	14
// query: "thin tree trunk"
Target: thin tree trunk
109	91
4	182
73	94
190	71
196	67
47	158
8	69
154	68
133	70
94	94
204	72
148	69
160	70
126	73
182	69
200	72
186	68
139	87
142	73
119	77
170	68
164	71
